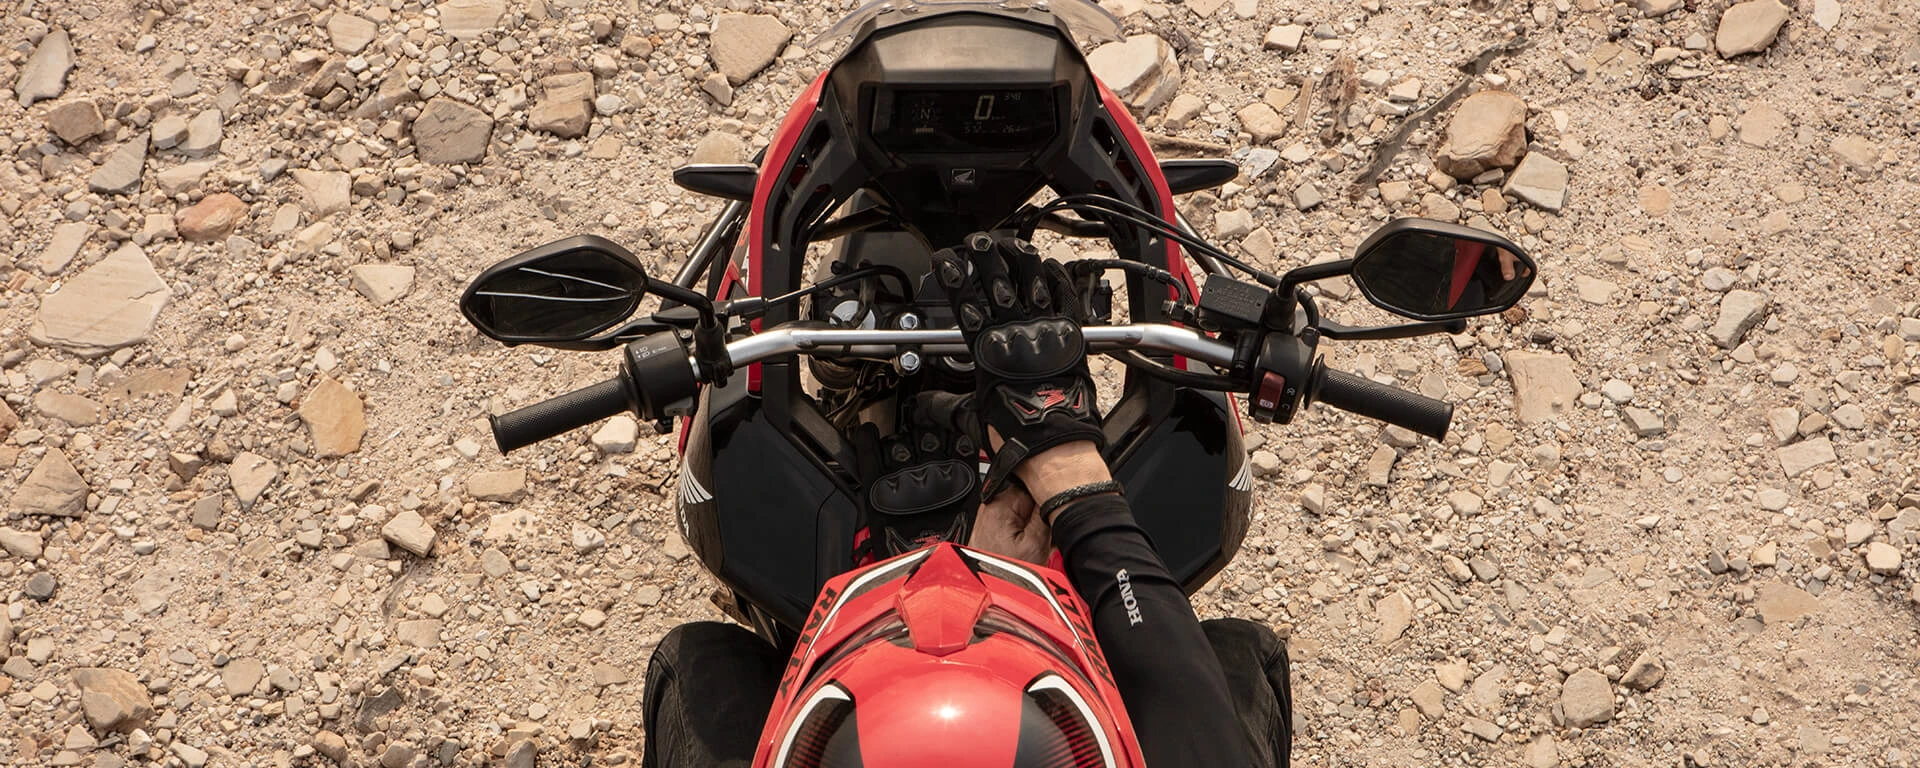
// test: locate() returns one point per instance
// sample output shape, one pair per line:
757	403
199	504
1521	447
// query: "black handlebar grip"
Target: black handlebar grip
1393	405
547	418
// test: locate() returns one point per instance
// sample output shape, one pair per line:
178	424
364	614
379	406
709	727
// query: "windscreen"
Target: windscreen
1088	22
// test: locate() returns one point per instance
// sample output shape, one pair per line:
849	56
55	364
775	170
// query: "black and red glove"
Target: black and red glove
1031	383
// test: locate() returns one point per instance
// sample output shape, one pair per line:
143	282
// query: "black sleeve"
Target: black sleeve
1175	691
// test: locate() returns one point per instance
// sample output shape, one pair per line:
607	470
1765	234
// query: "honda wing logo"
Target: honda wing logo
1243	480
690	491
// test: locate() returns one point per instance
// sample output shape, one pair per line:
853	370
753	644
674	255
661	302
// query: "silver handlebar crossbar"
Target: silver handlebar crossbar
1151	337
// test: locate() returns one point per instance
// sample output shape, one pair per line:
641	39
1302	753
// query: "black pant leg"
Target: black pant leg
709	686
1255	661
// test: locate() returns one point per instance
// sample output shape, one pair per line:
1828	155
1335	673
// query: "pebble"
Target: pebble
587	539
1306	197
1644	423
1659	7
381	284
1857	152
242	676
1481	729
1262	121
45	74
449	132
409	531
1488	130
742	44
1143	71
40	586
1784	603
1395	614
1749	27
22	544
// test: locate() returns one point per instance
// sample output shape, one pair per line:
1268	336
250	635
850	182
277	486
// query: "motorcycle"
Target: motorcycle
826	466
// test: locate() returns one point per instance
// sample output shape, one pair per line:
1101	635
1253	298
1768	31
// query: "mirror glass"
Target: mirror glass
1431	276
561	292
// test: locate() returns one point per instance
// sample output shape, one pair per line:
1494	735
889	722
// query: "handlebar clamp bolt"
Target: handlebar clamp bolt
908	322
909	362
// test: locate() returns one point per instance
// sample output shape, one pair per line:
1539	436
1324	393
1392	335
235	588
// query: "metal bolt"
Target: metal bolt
981	242
909	362
908	321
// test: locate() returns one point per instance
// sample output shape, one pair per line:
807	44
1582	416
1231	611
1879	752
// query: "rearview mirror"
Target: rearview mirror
564	291
1434	270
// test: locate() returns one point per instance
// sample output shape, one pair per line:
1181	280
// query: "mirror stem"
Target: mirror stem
1338	332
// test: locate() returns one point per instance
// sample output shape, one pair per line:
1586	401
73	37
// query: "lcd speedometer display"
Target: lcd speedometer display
964	120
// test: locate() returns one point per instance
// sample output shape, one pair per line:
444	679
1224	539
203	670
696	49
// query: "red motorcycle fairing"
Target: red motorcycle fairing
960	649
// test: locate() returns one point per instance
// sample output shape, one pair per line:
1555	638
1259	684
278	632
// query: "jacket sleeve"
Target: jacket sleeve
1175	691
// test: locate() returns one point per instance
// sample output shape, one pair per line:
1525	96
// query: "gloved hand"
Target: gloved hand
1031	384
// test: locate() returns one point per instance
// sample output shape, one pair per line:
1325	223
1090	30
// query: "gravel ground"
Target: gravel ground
252	515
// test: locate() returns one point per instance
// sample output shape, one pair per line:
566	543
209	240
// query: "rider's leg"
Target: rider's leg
1255	660
709	686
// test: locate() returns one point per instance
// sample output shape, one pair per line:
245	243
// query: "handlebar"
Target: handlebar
1374	400
628	391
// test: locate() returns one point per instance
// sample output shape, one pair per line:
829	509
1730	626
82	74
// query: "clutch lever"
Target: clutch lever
1332	330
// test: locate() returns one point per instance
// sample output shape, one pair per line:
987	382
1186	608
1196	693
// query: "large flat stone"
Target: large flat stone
45	75
1489	130
1541	181
469	19
53	488
65	245
742	44
335	417
1544	385
120	174
112	304
448	132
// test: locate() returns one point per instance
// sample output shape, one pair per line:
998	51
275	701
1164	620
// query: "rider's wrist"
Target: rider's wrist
1061	467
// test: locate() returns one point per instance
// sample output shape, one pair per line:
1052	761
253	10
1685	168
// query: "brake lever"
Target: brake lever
1332	330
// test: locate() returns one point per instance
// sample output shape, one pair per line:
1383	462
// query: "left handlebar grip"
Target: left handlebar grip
548	418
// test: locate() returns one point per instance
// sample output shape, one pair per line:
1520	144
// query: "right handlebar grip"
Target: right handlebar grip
1393	405
547	418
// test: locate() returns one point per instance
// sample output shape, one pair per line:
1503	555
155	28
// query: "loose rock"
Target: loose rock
45	75
618	435
120	174
743	44
1749	27
382	284
1586	699
1489	130
75	121
213	218
504	485
250	474
66	243
54	488
1739	312
1883	558
1646	671
1539	180
335	418
113	700
1142	71
204	133
1800	457
409	531
22	544
349	33
567	108
326	192
448	132
1544	385
466	20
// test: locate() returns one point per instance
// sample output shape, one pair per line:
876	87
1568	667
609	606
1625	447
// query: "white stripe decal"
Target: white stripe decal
690	490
